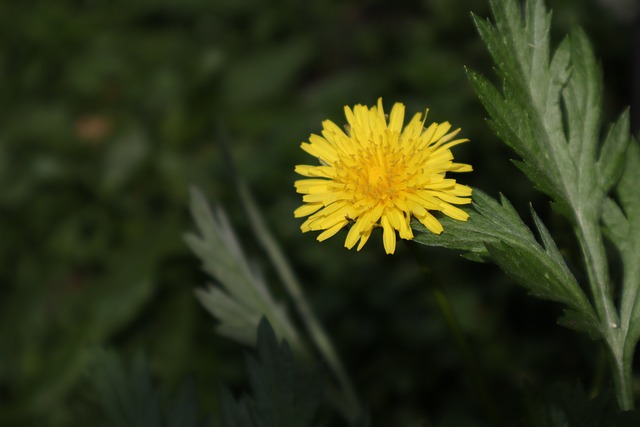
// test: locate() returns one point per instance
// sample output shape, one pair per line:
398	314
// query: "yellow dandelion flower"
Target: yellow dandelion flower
379	174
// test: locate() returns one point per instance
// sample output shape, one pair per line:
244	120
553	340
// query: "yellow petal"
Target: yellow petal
396	117
441	131
460	167
395	218
331	231
307	186
450	198
306	210
388	236
455	213
352	237
405	227
413	128
431	223
315	171
378	173
363	239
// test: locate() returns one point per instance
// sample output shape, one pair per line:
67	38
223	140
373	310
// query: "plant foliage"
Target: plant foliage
548	110
281	395
128	397
495	231
242	296
569	406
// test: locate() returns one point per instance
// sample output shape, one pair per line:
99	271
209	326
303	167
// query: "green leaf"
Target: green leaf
569	406
622	222
129	399
262	75
526	115
582	98
124	155
282	396
185	410
613	152
494	230
489	221
242	296
232	413
115	392
548	111
558	146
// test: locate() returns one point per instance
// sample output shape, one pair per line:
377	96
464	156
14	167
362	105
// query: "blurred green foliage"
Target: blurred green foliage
110	109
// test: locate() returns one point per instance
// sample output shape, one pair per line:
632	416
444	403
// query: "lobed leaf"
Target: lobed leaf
282	396
548	108
241	297
622	222
128	397
495	231
613	152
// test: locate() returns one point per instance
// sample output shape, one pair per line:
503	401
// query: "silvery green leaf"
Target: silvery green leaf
613	152
240	297
495	231
622	221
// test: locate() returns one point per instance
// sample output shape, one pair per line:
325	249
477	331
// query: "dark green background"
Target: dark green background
110	110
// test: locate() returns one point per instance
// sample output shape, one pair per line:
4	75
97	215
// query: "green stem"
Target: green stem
614	333
595	260
621	366
349	405
450	318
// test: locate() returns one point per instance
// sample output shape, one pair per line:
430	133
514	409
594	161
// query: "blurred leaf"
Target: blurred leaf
243	297
282	396
232	413
123	156
568	406
129	399
126	395
261	76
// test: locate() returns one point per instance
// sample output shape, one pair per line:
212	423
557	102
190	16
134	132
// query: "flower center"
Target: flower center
378	177
376	173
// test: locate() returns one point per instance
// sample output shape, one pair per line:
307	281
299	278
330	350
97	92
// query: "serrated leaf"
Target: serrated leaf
242	297
184	410
125	395
548	242
577	321
557	145
623	223
616	225
232	413
582	97
548	111
612	154
495	231
535	273
281	395
129	399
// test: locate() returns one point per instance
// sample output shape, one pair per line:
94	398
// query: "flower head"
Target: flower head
379	174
